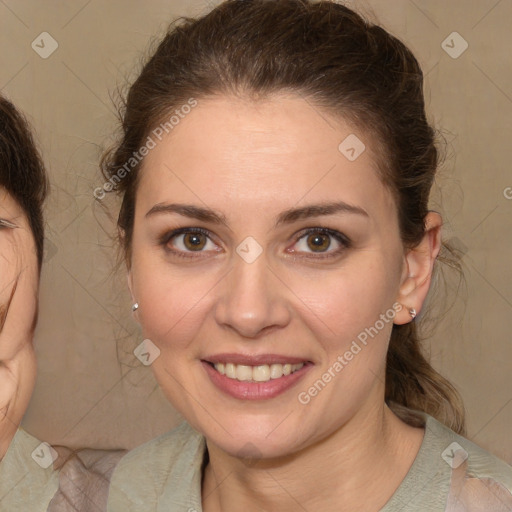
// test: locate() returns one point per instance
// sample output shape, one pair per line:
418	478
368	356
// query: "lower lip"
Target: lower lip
248	390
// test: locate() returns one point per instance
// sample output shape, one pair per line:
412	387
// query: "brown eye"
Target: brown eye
185	241
194	241
322	242
318	242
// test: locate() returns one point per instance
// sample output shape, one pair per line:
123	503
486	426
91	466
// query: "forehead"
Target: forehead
261	153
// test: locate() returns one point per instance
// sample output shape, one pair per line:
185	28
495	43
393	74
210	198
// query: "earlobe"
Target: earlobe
418	267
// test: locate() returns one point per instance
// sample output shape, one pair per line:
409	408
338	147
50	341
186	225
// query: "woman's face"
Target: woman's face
271	279
19	279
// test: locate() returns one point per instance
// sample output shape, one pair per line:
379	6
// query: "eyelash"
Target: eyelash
339	237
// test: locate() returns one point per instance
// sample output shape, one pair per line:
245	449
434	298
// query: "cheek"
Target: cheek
344	314
172	303
10	269
351	318
8	266
342	304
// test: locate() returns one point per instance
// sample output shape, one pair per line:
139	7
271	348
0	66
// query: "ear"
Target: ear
417	269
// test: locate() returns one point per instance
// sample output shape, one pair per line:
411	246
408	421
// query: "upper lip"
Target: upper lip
254	360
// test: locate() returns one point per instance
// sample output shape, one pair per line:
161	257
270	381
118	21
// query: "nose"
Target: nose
252	299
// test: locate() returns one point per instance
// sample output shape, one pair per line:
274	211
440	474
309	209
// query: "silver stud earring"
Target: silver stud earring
412	312
135	307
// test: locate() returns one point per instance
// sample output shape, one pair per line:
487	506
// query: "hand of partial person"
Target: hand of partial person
18	311
471	494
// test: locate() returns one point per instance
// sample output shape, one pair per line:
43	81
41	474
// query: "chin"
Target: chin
247	438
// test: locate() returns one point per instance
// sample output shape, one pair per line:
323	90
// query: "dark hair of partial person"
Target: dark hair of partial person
339	62
22	172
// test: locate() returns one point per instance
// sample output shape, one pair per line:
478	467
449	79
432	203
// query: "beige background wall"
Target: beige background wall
91	390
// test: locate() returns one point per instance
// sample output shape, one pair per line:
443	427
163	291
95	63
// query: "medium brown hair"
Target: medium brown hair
338	61
22	171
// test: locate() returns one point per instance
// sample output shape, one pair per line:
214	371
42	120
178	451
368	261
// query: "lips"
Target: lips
254	377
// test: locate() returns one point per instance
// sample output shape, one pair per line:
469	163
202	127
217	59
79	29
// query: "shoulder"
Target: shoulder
165	470
28	480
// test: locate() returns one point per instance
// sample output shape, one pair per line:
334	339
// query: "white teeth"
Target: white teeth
262	373
230	370
243	372
276	371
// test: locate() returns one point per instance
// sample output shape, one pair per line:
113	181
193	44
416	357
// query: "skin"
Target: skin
251	161
19	278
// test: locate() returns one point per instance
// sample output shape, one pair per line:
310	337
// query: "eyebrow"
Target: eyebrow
286	217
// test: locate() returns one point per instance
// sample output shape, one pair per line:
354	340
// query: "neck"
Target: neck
358	467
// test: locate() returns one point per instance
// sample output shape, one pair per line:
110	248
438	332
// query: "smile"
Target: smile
256	377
